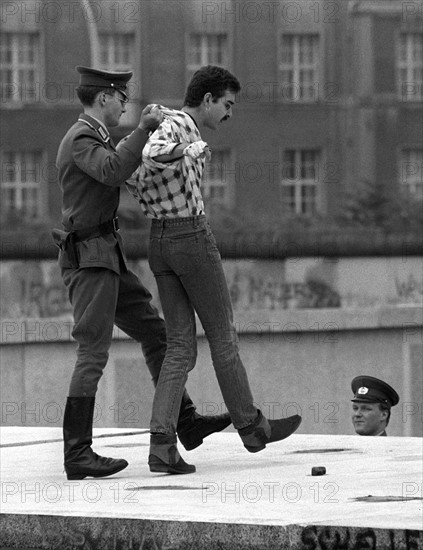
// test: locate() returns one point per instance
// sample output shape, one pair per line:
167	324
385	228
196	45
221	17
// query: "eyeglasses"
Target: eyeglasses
122	98
118	95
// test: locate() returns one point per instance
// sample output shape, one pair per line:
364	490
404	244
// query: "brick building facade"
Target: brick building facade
332	94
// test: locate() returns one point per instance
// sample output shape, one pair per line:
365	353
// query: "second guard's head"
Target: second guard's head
372	402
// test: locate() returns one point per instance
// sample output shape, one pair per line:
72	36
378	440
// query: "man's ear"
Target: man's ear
208	98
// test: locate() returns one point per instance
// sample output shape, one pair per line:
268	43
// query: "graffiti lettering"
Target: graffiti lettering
44	301
410	290
252	292
65	532
35	289
31	289
344	538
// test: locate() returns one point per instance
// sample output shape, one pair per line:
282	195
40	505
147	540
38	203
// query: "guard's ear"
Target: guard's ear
385	413
101	98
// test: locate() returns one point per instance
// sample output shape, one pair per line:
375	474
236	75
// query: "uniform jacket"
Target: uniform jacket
90	174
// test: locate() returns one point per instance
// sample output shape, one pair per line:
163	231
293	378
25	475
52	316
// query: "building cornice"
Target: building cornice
387	7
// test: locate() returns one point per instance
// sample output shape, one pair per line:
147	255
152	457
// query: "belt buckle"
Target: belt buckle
115	223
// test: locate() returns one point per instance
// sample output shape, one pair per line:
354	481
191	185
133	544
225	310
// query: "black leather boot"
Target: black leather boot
193	429
164	456
263	431
80	460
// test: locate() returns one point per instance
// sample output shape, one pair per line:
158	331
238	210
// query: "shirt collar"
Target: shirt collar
192	119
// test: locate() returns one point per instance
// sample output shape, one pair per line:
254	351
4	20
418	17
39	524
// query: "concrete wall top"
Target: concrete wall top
302	294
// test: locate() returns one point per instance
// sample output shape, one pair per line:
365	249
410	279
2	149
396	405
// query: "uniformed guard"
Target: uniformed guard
102	290
372	404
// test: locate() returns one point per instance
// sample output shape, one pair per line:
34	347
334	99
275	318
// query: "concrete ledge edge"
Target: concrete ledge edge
104	533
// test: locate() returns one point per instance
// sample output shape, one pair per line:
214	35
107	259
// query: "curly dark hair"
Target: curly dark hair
213	79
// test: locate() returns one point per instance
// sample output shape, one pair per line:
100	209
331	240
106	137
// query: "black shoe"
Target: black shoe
164	456
80	460
94	465
193	430
263	431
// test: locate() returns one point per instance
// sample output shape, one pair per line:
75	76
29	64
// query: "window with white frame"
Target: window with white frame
411	172
215	186
410	66
19	66
300	177
299	66
21	183
206	49
116	51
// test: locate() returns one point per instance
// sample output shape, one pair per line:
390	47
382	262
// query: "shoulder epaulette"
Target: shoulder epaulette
95	125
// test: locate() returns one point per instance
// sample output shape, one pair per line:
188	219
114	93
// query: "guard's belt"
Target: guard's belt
66	240
95	230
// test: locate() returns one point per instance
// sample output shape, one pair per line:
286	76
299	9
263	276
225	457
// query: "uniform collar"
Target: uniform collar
96	125
382	433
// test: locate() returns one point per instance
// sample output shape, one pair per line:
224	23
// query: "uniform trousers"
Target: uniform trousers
101	298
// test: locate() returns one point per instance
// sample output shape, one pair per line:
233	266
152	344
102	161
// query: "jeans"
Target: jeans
188	269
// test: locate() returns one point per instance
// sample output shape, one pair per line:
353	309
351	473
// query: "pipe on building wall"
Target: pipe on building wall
92	33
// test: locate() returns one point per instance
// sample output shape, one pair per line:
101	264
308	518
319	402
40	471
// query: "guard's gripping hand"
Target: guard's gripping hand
197	149
151	117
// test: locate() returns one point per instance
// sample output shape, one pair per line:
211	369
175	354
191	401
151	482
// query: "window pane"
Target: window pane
206	49
195	50
221	51
299	66
308	165
287	52
20	185
411	172
9	197
287	77
288	198
410	66
5	48
402	48
417	48
116	51
19	66
9	168
299	189
289	165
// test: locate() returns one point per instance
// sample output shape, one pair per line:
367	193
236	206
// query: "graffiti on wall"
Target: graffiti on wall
31	289
254	292
68	532
409	289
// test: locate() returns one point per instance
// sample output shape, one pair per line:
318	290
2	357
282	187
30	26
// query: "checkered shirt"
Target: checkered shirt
171	189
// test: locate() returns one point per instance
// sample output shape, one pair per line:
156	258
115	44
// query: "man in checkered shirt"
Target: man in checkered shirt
171	189
188	269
